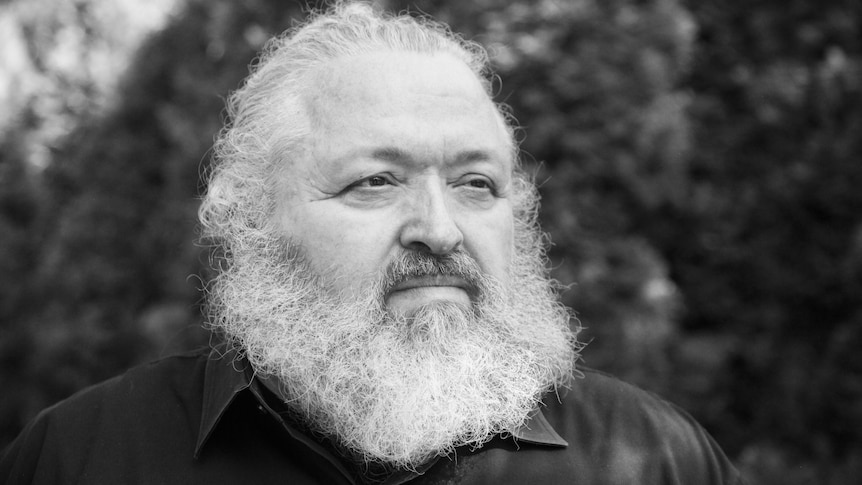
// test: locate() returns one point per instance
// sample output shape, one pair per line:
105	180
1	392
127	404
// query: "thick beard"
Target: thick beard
389	389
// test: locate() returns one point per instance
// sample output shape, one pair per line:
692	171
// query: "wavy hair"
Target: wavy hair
267	122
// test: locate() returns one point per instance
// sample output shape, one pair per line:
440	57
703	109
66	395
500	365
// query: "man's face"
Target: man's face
398	310
406	153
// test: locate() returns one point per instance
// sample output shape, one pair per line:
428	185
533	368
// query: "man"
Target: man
384	299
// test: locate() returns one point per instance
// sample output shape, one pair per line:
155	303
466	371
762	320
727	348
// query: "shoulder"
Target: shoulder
634	432
165	382
132	407
595	394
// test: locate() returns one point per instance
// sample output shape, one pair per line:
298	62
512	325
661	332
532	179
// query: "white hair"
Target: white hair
267	121
346	365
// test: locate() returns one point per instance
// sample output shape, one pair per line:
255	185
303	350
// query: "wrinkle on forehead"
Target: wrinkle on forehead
438	74
392	82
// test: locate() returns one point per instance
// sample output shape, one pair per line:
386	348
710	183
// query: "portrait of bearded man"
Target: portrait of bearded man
382	298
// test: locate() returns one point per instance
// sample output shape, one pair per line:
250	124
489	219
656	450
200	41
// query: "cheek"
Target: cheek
343	249
507	243
493	243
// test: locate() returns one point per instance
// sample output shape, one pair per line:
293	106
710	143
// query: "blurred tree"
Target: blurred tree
19	215
699	164
772	239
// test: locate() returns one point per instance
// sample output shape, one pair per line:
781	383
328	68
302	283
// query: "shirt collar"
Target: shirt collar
538	431
227	375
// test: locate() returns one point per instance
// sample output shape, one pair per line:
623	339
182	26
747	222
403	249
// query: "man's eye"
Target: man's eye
372	182
376	181
480	184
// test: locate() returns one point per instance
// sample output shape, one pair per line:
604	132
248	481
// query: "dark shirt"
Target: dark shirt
202	418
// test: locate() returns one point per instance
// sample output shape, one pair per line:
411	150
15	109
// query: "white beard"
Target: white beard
394	390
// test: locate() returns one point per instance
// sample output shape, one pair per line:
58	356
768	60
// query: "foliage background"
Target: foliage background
699	164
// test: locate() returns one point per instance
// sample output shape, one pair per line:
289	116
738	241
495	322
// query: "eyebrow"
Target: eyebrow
391	154
394	154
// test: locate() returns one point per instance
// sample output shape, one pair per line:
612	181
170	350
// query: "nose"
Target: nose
431	226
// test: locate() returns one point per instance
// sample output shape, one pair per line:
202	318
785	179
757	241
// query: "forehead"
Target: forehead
402	98
385	78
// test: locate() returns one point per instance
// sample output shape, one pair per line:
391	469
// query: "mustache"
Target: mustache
417	264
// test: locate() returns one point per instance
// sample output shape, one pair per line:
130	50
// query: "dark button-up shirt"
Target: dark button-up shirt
203	418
